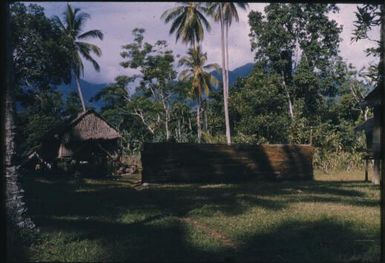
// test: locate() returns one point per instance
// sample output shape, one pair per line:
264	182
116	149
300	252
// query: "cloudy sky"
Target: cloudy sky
117	20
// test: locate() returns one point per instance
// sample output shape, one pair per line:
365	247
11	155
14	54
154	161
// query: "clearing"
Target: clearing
334	218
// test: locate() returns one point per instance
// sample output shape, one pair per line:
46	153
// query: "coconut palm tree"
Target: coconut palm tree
188	22
16	209
199	74
225	13
72	26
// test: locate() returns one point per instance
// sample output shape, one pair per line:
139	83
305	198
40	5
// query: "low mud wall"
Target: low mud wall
216	163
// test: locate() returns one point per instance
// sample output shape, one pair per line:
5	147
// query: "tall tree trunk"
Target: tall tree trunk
80	93
199	121
167	118
179	132
227	59
167	129
291	111
141	116
365	112
15	206
16	210
382	92
227	63
225	90
291	108
205	116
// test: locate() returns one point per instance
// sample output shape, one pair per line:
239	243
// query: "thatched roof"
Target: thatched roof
88	125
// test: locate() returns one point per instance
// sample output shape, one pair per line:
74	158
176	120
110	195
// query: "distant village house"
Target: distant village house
88	141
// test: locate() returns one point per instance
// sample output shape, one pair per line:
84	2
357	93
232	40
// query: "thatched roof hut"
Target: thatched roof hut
87	134
90	125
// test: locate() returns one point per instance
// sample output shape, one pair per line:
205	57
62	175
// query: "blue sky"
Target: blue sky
117	20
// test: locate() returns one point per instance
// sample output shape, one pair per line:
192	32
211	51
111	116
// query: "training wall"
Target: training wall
188	163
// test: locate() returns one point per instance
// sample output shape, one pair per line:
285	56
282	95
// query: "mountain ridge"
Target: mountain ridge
236	73
90	89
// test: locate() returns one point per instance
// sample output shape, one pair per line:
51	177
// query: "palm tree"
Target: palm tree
72	25
199	74
188	22
225	12
16	210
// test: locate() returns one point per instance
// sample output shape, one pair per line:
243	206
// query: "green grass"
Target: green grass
334	218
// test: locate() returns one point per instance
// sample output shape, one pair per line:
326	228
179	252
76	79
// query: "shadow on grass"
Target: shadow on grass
17	243
149	240
319	241
293	241
110	199
140	225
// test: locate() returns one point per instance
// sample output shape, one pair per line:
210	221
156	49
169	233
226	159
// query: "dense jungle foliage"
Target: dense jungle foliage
299	91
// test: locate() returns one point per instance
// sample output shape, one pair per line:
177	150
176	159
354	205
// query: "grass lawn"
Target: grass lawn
334	218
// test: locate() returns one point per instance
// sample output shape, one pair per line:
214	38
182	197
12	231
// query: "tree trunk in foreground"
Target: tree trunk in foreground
382	92
14	192
15	207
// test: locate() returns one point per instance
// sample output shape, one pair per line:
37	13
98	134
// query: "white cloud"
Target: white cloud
117	20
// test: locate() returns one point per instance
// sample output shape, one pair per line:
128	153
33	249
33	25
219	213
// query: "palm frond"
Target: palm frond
188	22
230	11
79	21
213	10
76	10
90	47
72	24
69	17
91	34
185	75
171	14
204	21
58	22
199	31
177	23
197	72
185	61
213	66
84	51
